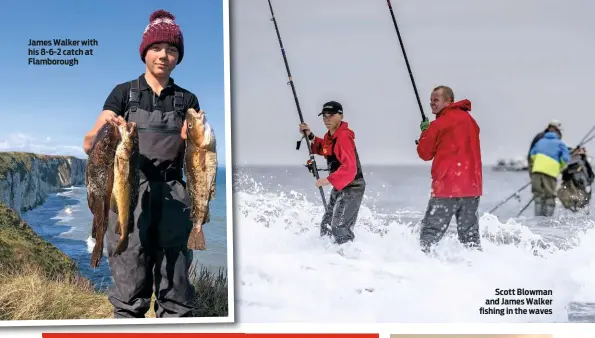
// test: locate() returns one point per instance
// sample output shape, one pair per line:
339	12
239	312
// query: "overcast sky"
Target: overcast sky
520	63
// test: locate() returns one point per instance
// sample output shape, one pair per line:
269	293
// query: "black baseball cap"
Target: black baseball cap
332	107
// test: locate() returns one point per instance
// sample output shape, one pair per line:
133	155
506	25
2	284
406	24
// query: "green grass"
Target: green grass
22	249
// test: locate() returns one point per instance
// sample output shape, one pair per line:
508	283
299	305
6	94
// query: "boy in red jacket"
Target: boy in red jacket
346	177
452	142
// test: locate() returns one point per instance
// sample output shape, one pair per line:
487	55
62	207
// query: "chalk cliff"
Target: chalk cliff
26	179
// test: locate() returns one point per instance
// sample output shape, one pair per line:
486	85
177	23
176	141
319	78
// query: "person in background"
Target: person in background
346	176
547	157
554	126
452	143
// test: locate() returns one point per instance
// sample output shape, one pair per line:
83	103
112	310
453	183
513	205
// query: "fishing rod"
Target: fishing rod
421	109
525	208
589	140
585	140
515	194
312	162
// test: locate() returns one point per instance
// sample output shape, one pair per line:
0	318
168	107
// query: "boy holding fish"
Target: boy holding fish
154	252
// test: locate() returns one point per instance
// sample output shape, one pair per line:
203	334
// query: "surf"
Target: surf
287	272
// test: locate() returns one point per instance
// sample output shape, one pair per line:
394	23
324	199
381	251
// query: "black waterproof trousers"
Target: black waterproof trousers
157	259
438	216
342	210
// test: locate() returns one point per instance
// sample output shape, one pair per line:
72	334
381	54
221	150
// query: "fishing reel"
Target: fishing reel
310	165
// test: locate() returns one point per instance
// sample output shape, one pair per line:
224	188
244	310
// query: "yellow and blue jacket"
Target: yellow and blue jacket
549	155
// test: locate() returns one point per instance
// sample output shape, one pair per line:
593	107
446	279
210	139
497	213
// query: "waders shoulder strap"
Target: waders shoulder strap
179	102
133	98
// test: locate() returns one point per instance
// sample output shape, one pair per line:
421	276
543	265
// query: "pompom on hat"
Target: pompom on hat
162	28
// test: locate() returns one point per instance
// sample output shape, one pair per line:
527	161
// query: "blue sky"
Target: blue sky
48	109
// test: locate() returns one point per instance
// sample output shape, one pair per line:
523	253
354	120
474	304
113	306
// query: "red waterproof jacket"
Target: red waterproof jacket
344	150
452	141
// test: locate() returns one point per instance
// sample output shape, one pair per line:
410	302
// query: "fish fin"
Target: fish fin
114	204
196	240
209	135
213	185
101	220
90	200
95	211
94	228
122	246
207	218
117	228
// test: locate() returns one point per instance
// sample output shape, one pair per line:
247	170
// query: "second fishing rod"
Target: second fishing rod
421	109
312	162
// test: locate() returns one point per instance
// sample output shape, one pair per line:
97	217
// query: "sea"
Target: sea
286	273
65	221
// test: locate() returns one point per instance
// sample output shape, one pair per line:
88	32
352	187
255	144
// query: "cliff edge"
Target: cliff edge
26	178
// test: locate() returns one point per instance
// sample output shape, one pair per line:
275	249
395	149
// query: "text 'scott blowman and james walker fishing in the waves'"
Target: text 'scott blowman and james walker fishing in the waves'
149	131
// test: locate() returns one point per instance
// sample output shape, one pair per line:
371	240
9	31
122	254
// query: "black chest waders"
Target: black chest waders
343	208
157	259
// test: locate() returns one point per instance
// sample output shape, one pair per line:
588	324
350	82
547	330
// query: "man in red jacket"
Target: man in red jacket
452	142
346	177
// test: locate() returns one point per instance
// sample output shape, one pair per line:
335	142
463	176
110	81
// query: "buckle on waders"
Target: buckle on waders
170	175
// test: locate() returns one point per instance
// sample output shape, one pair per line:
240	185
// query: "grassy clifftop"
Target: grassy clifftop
27	178
39	282
22	162
21	249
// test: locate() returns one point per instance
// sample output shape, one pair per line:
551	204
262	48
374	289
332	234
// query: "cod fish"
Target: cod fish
200	168
99	178
125	193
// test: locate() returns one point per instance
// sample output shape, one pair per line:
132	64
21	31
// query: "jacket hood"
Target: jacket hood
343	129
464	105
551	135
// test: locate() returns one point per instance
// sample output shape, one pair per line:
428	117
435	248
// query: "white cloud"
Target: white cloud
27	143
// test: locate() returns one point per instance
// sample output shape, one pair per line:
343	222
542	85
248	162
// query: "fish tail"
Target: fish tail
97	253
196	240
122	246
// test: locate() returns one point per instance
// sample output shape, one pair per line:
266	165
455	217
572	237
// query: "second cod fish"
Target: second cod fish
200	166
125	193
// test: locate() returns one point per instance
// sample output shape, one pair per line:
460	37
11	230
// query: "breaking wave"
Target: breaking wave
286	273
